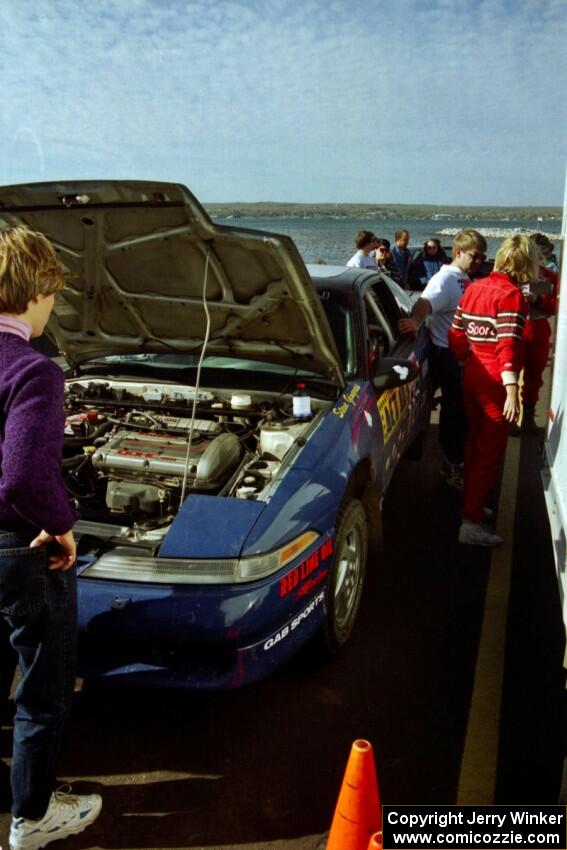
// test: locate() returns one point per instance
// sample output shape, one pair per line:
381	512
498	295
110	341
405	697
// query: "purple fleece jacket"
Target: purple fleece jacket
32	420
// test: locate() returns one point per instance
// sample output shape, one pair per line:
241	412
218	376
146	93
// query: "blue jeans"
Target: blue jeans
39	632
452	416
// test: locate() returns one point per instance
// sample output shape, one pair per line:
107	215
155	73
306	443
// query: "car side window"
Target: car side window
403	301
392	309
380	338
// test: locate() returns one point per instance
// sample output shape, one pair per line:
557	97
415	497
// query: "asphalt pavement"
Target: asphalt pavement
261	767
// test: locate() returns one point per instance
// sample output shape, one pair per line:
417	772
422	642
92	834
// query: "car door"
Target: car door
404	410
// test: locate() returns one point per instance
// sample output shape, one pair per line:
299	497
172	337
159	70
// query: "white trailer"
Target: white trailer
555	453
555	450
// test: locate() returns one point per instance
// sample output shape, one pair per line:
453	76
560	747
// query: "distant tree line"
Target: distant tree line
269	209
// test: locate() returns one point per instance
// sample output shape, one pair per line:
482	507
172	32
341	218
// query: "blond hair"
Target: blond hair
28	267
519	258
467	240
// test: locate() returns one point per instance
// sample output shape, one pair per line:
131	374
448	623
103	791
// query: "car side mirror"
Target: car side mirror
390	372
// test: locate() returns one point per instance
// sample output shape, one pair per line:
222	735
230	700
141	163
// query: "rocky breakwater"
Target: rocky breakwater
500	232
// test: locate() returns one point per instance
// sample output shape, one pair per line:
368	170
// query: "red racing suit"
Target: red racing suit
537	333
487	333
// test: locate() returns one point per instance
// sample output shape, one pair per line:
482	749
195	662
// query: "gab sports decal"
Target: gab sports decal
290	627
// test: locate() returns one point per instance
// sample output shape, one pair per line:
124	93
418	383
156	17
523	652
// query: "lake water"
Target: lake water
332	239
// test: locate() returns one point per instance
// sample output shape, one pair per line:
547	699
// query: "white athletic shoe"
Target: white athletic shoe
474	534
67	814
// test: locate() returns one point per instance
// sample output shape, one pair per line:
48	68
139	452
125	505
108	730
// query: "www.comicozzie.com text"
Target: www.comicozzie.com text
475	827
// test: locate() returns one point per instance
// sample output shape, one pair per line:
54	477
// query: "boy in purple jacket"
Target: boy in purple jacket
38	596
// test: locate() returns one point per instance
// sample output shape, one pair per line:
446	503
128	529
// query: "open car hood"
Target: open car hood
136	255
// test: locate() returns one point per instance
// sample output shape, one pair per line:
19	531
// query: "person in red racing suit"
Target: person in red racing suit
541	296
487	337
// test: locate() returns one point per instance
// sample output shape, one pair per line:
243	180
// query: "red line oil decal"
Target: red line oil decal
310	585
361	401
298	575
365	416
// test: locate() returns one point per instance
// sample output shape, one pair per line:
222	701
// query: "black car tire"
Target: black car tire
344	591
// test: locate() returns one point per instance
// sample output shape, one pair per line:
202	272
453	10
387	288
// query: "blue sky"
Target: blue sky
410	101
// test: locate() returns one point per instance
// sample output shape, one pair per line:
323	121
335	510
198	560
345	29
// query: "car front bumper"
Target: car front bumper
197	637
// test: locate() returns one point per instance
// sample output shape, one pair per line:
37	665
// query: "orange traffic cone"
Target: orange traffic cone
375	842
357	814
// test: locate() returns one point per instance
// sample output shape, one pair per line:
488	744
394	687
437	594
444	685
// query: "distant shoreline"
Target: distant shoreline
379	212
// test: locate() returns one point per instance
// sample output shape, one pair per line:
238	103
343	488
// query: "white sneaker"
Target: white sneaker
474	534
67	814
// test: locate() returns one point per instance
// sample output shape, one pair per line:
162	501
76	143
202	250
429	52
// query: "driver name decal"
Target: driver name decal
347	399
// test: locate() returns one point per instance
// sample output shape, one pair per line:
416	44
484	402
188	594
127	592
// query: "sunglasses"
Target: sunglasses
475	256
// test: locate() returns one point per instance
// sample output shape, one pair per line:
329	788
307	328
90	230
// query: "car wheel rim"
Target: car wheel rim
349	568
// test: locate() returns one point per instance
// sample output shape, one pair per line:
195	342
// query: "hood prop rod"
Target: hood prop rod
198	377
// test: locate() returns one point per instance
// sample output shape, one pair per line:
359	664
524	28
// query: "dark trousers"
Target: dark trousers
39	632
452	416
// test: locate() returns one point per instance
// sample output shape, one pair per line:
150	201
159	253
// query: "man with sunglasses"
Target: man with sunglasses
384	261
439	301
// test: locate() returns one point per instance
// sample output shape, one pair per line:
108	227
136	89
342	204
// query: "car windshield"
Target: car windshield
182	360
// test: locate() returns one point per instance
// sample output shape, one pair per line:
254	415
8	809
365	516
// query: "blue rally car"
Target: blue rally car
233	420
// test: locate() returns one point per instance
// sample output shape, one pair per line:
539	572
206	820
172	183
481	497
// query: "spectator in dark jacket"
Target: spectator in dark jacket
427	264
401	254
384	261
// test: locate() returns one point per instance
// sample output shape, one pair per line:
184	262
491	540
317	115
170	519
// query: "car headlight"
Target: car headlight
126	564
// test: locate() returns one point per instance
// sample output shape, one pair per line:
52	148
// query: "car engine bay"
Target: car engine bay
126	444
